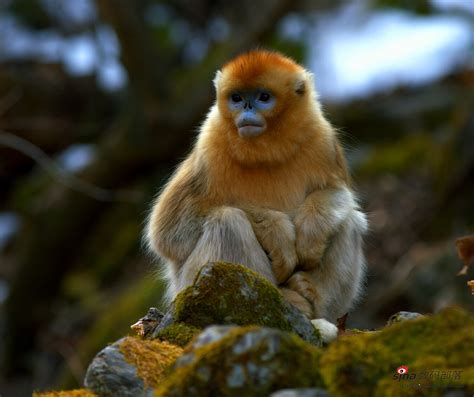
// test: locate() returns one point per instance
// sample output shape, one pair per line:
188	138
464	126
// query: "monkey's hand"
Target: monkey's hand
317	220
276	234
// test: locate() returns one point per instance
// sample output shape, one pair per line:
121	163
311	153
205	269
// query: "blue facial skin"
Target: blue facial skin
248	105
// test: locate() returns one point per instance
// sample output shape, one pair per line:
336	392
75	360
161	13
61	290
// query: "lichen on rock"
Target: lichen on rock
244	361
255	350
227	293
68	393
130	367
365	364
150	357
178	333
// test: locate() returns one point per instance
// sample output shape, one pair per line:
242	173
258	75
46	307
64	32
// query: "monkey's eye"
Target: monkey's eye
264	97
236	98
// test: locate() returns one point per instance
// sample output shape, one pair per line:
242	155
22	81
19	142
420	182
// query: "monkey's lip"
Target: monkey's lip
249	130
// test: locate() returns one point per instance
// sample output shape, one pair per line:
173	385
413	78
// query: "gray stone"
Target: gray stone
212	334
402	316
109	375
241	361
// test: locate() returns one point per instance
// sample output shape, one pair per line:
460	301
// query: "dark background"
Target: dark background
99	100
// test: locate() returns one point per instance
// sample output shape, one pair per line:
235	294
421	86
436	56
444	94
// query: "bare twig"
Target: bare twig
66	178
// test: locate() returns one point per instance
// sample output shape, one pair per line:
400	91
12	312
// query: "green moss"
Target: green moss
67	393
364	364
231	294
277	360
178	333
151	358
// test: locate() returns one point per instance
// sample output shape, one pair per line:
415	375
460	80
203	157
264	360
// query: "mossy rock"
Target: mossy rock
244	361
365	364
130	367
178	333
227	293
68	393
232	361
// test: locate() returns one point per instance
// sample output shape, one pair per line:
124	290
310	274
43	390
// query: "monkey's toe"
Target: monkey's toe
298	301
303	284
283	264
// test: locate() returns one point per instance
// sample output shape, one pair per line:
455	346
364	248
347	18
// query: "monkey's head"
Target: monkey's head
266	102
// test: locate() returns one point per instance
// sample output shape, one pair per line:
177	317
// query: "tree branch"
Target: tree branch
64	177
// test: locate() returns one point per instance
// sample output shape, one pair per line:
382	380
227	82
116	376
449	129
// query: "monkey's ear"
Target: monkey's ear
217	79
303	83
300	87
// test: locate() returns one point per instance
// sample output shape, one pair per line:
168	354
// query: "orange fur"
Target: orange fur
254	64
298	152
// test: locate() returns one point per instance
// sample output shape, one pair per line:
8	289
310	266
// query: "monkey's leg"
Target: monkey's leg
227	235
276	233
333	286
317	220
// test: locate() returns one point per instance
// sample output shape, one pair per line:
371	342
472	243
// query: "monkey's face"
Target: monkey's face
265	107
248	108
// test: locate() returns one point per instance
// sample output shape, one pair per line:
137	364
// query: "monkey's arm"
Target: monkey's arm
276	234
317	220
175	224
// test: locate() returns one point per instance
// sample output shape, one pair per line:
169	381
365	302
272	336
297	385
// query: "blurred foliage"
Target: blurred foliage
294	49
410	153
422	7
115	320
31	12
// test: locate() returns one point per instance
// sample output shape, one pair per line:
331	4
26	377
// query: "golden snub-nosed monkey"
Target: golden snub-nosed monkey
266	185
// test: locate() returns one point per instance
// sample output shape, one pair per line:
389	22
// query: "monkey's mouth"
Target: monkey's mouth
247	130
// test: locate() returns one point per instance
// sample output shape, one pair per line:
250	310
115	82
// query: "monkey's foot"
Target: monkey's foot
327	330
302	283
283	263
298	301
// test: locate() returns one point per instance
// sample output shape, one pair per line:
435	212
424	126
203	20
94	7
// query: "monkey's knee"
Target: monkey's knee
228	236
226	214
229	232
